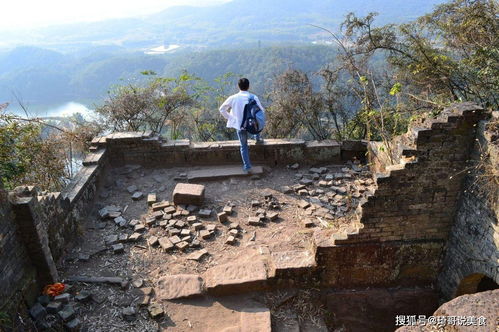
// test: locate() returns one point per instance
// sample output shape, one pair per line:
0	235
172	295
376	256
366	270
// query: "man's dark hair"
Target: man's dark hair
243	84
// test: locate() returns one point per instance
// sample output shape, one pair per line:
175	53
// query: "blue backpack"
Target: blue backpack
253	118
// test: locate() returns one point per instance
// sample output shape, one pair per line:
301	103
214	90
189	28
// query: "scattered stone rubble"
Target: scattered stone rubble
184	226
329	194
58	311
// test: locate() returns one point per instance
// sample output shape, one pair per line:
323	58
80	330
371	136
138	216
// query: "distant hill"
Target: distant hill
234	23
88	75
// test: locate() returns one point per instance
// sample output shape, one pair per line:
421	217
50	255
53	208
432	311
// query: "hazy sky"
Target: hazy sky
34	13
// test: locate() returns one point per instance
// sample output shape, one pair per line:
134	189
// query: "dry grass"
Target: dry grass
486	169
302	305
486	181
493	128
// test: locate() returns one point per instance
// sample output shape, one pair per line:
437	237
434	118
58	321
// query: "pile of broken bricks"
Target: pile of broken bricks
266	211
178	225
329	195
182	224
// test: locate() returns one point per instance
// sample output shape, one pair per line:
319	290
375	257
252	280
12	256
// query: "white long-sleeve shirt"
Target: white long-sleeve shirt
236	104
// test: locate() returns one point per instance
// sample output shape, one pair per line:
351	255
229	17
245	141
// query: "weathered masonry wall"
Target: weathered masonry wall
144	149
374	309
472	252
34	231
405	224
17	274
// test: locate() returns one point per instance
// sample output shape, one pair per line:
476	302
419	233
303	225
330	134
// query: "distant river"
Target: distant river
65	109
70	109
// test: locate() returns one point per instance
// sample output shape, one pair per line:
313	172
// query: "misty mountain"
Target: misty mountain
234	23
28	57
87	76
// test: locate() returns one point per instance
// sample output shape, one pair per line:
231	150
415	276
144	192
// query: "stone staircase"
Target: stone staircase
257	273
252	274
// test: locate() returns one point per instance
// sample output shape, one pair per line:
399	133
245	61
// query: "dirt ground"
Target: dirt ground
142	264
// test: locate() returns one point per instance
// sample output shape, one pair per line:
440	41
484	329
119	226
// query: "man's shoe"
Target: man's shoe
259	141
247	171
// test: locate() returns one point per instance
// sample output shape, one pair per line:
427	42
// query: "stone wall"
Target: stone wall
148	150
404	225
17	274
35	229
375	309
473	248
387	264
76	199
478	310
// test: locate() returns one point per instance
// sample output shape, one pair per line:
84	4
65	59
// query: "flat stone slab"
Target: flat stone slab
109	280
238	273
221	173
255	320
178	286
160	205
197	255
293	259
188	193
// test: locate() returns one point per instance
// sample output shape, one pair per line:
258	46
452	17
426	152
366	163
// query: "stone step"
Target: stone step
234	313
256	319
179	286
239	277
287	261
443	125
414	131
98	141
236	277
408	151
222	172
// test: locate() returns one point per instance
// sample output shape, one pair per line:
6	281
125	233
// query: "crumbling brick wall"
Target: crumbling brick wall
416	199
35	229
17	274
405	224
473	247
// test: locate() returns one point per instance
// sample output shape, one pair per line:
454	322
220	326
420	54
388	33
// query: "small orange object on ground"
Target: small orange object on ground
54	289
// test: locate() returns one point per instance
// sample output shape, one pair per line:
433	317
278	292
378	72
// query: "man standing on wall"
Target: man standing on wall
236	104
